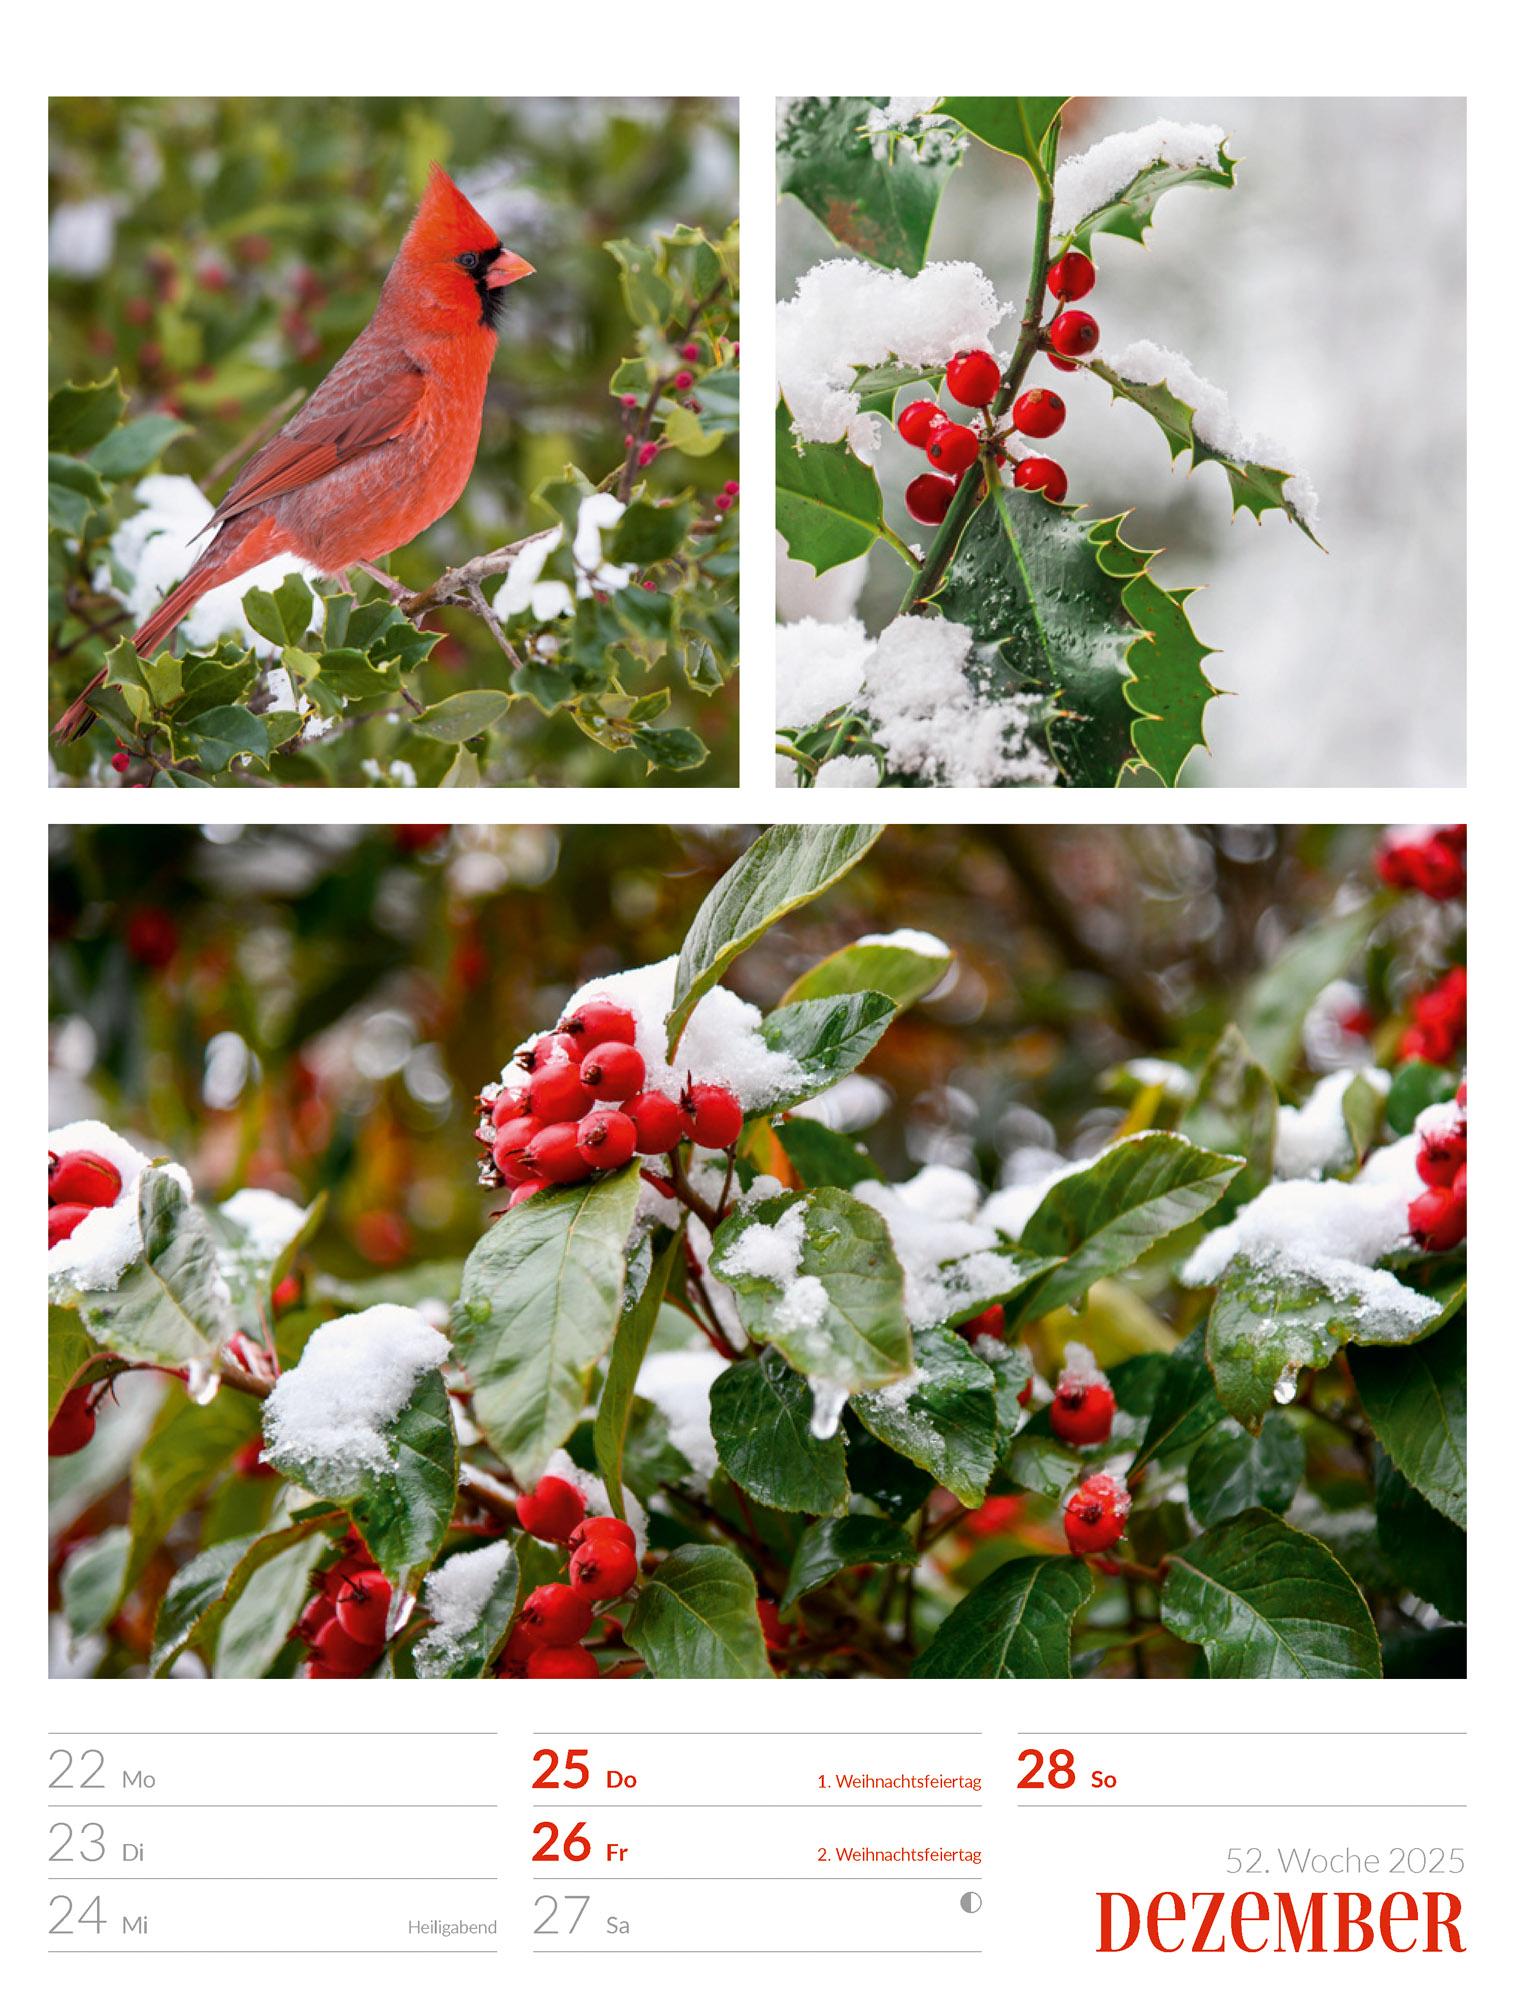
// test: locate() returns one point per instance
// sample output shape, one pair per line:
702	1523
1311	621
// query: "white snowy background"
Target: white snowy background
1327	295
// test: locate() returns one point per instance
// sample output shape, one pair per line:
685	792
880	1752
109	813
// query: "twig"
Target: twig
452	586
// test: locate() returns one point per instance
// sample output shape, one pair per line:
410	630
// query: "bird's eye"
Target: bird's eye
469	260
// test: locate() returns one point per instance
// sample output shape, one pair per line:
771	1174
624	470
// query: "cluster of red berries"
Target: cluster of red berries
583	1109
344	1623
1439	1217
1431	860
76	1184
1094	1517
974	380
546	1643
1438	1020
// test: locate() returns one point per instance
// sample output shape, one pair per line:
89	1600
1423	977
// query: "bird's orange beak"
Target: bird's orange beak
505	269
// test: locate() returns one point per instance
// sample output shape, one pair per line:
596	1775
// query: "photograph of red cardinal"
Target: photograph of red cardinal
385	445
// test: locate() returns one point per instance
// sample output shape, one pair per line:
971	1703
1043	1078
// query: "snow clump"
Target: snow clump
326	1416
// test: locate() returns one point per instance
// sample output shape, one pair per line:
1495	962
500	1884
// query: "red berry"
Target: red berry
647	454
1043	475
1462	1095
557	1615
990	1322
690	351
628	401
613	1071
683	380
361	1602
63	1220
519	1648
542	1054
554	1155
715	1116
1071	277
88	1178
918	420
152	937
607	1527
973	378
120	762
558	1091
509	1149
731	487
607	1139
602	1566
1441	1154
598	1019
723	503
1039	412
928	498
524	1190
342	1656
1084	1406
1439	1219
1063	367
73	1426
1073	333
286	1293
551	1510
561	1663
776	1634
1095	1517
952	447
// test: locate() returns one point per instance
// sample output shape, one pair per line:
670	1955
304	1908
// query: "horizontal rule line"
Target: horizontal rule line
942	1881
269	1805
830	1734
1241	1732
88	1881
313	1735
1242	1805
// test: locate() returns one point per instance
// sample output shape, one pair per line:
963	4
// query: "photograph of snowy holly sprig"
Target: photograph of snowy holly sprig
821	1281
988	571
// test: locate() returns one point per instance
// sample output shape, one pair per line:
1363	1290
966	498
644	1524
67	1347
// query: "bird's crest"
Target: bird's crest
447	222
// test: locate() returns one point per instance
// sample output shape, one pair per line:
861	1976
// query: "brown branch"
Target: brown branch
453	585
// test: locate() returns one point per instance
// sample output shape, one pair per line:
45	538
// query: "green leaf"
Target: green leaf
828	1547
1231	1470
1235	1110
670	749
1128	212
541	1298
1268	1323
881	203
204	1591
1254	486
1186	1406
92	1582
73	490
827	503
823	1158
469	1654
853	1333
1102	1218
402	1512
898	966
171	1305
1428	1553
760	1420
1416	1399
1014	125
784	869
1416	1086
1269	1603
80	414
283	615
1017	1624
254	1629
649	534
223	733
943	1417
1273	1014
69	1351
826	1038
460	716
177	1464
128	452
628	1351
695	1618
1169	688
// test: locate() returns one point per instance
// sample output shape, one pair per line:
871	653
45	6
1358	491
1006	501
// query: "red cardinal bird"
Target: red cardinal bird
385	445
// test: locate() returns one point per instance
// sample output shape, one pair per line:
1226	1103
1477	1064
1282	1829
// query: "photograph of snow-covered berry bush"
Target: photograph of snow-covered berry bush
1003	326
704	1252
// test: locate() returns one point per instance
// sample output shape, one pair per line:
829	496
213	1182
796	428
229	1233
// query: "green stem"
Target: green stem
965	502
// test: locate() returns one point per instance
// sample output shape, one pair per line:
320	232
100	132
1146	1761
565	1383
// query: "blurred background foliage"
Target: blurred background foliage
315	1008
222	253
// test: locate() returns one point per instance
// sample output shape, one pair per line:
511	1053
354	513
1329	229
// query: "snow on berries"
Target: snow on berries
1083	1405
93	1236
1094	1516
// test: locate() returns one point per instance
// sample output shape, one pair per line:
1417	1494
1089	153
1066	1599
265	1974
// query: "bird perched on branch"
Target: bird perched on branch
385	445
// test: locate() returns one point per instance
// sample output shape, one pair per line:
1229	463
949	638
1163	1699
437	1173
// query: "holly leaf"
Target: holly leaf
826	1039
73	490
847	1329
828	1547
906	966
220	734
695	1618
128	452
1168	688
784	868
760	1420
541	1299
283	615
81	414
943	1417
459	716
1416	1399
1014	125
1016	1625
1254	486
1128	212
1267	1602
877	197
827	502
